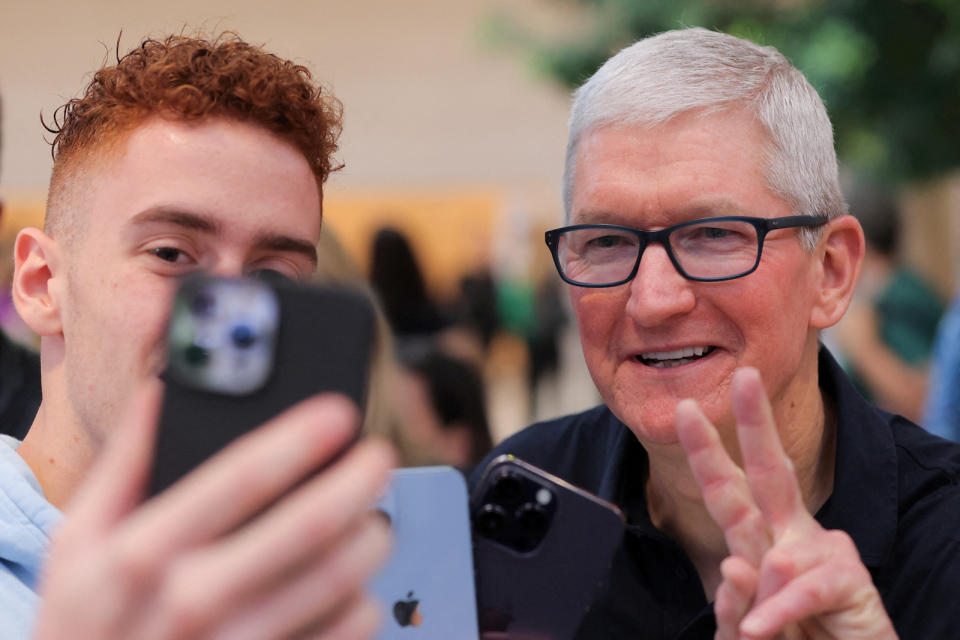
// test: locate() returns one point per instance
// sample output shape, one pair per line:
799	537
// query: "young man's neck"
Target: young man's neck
58	453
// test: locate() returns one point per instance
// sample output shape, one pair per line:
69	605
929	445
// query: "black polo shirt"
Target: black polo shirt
895	492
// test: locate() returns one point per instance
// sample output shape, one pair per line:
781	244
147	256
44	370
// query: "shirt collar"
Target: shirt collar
865	486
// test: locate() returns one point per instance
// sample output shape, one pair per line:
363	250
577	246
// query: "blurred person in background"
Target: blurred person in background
19	371
543	337
441	401
942	414
886	338
381	416
397	278
707	244
188	154
475	308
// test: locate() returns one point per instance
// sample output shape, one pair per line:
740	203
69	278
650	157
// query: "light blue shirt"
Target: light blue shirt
943	400
26	520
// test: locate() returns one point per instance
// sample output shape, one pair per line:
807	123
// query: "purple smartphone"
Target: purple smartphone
541	547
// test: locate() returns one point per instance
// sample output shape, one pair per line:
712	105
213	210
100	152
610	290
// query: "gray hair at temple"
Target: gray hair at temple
662	76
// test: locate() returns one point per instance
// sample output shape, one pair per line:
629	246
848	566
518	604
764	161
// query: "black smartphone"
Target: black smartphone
242	350
541	547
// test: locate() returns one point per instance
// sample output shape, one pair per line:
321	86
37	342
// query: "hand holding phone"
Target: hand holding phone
255	543
243	350
239	549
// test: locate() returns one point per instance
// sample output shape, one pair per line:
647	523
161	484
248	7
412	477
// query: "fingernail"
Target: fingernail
753	625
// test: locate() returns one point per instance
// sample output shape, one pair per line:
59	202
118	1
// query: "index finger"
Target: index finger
246	476
116	481
722	484
770	472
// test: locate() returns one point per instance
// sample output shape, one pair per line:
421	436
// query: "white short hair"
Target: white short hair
662	76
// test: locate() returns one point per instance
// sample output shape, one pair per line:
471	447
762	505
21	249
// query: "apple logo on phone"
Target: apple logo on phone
407	611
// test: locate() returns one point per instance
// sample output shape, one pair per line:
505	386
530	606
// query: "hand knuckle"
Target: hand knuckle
132	564
184	608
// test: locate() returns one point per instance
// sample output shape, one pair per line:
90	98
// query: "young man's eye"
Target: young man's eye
168	254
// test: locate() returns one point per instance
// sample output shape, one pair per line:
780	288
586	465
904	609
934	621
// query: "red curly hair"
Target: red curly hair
191	78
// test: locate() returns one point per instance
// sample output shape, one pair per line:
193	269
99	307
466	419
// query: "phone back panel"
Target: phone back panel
322	343
426	588
542	594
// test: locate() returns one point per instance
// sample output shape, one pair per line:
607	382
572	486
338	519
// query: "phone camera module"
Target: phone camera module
243	336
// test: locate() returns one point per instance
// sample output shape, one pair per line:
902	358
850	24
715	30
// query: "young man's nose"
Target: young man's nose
229	268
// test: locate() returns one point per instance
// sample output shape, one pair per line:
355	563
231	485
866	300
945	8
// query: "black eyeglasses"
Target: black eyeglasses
704	250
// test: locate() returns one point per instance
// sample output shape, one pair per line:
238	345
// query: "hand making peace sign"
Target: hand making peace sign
786	576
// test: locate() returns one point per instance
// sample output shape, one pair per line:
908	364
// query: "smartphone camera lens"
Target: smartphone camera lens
196	356
532	519
532	522
508	488
202	304
490	520
243	336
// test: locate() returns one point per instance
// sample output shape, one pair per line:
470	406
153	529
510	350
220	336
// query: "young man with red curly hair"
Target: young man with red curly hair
185	155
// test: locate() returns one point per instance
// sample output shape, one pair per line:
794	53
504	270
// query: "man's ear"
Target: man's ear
840	252
36	260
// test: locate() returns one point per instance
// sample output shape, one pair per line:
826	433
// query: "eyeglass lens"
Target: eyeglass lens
712	249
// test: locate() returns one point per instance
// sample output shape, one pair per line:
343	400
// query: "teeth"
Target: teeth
666	359
686	352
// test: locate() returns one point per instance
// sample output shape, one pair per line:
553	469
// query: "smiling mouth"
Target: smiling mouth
675	358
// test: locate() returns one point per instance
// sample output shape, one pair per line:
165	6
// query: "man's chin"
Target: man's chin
651	424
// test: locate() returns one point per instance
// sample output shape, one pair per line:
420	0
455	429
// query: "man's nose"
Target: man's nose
658	293
228	267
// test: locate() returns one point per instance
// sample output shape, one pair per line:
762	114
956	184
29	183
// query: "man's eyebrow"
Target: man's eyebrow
266	241
287	244
177	217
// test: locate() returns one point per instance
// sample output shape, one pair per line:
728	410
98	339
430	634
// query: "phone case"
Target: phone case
426	588
541	547
243	350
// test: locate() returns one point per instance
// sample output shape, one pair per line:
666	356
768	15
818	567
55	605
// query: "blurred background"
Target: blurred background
454	136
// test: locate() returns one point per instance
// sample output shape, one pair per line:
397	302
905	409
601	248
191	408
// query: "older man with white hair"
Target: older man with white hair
707	244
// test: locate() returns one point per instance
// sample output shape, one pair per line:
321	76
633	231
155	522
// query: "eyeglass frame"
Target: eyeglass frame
661	236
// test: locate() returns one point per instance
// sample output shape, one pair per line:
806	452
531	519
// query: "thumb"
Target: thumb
117	479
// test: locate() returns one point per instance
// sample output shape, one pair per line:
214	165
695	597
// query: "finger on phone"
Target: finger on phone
116	482
300	528
245	477
312	597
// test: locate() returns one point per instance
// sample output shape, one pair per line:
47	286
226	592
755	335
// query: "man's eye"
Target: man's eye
605	242
715	233
168	254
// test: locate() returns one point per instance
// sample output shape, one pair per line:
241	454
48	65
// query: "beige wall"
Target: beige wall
426	101
429	105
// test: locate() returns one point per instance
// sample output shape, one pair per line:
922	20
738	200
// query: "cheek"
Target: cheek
123	307
774	322
598	314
